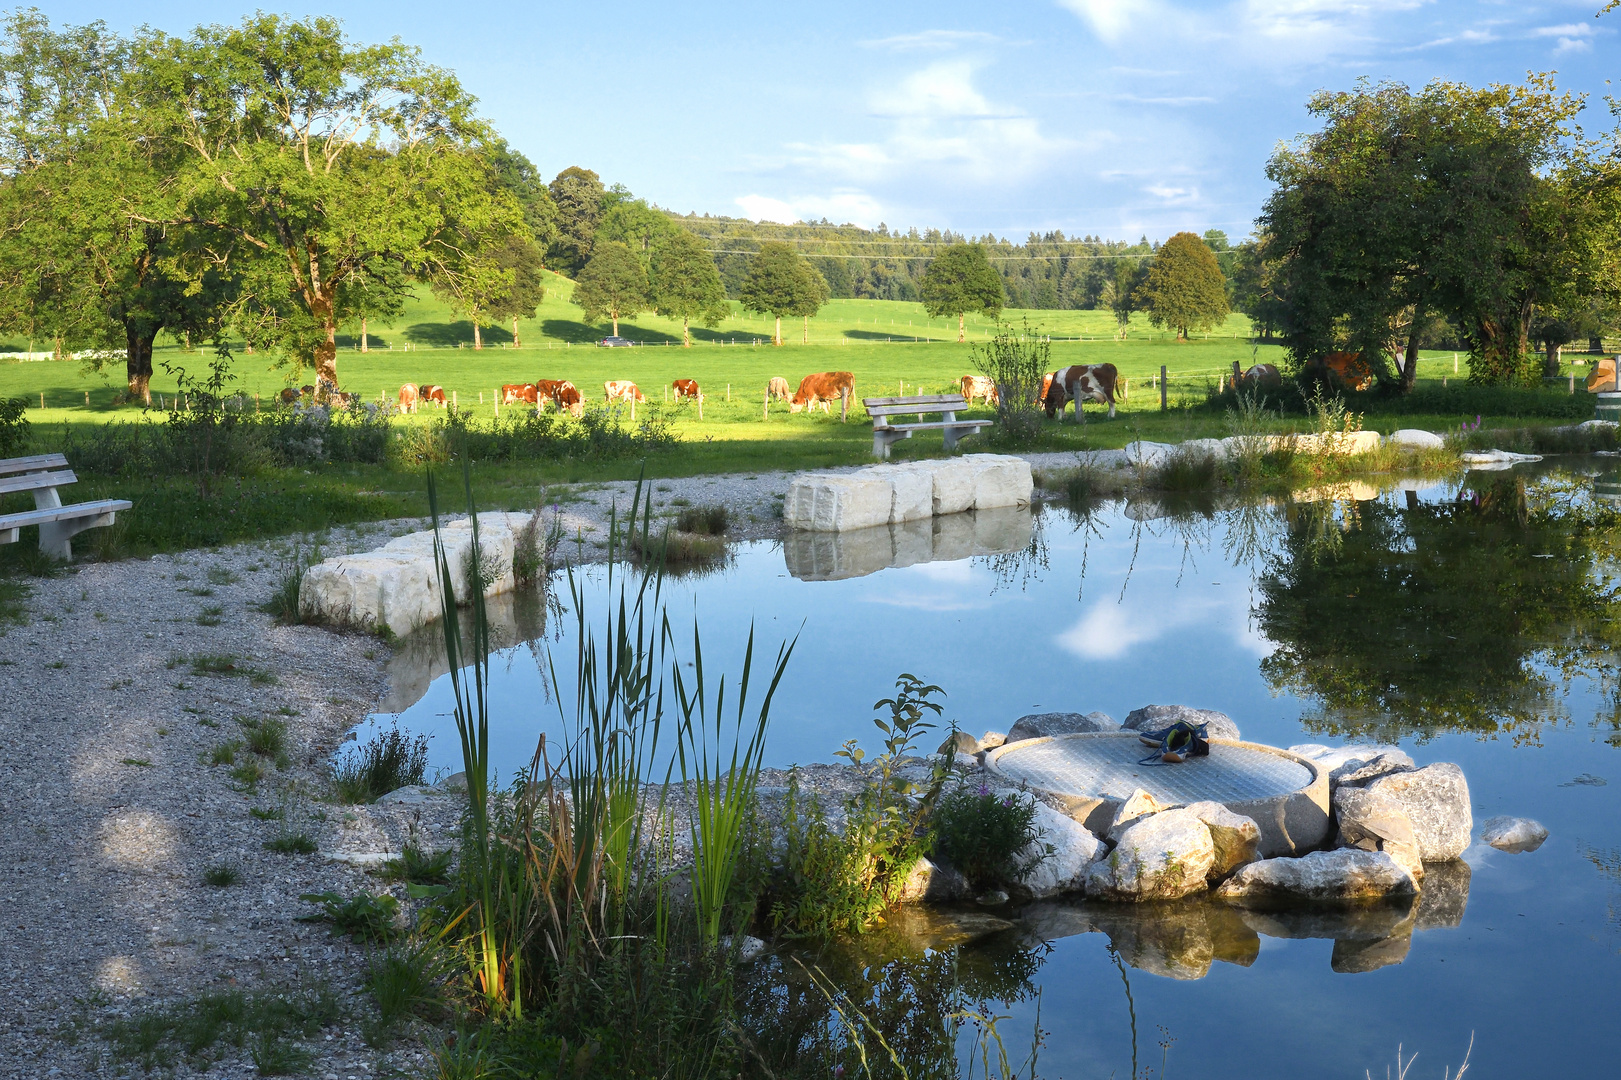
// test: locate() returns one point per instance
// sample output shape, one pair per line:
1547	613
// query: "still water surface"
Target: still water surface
1473	622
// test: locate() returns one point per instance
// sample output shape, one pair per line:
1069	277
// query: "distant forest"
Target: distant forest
1048	270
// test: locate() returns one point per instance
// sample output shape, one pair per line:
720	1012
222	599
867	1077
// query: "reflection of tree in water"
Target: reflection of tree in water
1023	566
1608	861
1456	616
910	994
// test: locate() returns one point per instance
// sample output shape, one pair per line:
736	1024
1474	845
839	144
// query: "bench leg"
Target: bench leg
55	537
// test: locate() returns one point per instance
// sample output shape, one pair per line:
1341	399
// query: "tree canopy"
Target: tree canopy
612	284
1184	288
685	283
782	282
577	194
961	280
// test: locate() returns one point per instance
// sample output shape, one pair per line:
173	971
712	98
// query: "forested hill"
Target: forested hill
1046	271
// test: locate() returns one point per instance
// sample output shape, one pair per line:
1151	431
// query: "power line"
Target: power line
992	258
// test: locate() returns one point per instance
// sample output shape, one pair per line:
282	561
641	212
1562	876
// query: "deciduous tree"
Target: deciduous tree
686	285
782	282
959	280
612	284
1184	287
577	193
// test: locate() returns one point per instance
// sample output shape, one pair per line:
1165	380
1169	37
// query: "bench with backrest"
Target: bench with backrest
42	475
885	432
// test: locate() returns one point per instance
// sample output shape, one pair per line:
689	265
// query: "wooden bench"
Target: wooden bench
884	432
42	475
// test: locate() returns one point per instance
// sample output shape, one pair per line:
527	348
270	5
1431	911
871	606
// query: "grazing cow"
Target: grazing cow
978	386
1046	386
622	390
777	389
546	390
432	392
568	398
822	388
1080	383
1261	375
1349	368
512	393
289	395
408	398
685	388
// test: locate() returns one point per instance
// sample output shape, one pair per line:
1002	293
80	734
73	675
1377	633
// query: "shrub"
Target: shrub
1016	361
367	916
15	431
985	835
391	760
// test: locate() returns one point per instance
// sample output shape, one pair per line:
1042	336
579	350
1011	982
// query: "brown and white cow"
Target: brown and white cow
777	389
1261	375
512	393
685	388
1349	368
622	390
1080	383
408	398
821	389
432	392
978	386
546	390
569	400
289	395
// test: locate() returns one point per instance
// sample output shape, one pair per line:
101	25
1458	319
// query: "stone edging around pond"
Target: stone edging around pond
909	491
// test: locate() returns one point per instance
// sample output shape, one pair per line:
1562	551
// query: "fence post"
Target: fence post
42	399
728	393
844	404
700	406
765	413
454	404
1236	375
1573	384
1162	404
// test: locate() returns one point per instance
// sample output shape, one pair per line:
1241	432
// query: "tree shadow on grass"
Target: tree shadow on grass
581	333
374	341
453	334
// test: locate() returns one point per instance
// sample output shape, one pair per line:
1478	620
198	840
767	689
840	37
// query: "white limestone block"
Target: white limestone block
954	481
836	503
1001	480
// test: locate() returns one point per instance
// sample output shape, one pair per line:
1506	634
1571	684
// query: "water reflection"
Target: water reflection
516	619
818	556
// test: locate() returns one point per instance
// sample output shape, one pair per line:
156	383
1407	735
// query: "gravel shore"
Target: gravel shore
113	810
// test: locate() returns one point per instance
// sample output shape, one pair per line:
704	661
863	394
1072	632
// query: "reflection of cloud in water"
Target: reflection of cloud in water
1110	629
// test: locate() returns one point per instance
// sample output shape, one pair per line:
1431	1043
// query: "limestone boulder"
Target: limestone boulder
1001	480
837	502
1354	764
1161	857
953	485
1377	821
991	740
1237	839
1436	799
1137	806
960	742
1157	717
1148	455
1339	876
1067	848
1036	725
1415	439
1513	834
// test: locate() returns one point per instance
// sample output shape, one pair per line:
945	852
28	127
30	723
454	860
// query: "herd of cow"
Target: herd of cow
1077	383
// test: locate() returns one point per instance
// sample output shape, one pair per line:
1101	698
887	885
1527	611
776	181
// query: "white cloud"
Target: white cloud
1566	30
932	39
1109	19
854	207
1175	196
1283	32
1570	45
1111	629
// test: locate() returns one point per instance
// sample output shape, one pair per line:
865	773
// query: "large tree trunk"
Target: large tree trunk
138	364
516	341
326	354
365	346
961	335
1409	366
777	340
686	333
616	323
807	331
1551	360
478	339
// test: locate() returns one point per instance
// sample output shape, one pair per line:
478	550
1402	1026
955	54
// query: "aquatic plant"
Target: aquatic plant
989	837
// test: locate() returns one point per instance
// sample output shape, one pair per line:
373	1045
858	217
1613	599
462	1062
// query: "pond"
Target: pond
1472	621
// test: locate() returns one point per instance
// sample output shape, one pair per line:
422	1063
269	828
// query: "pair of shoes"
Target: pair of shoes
1176	743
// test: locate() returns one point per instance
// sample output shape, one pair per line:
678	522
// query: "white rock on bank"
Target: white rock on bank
1377	821
1001	480
1513	834
1148	455
1346	874
937	884
397	586
1138	805
1159	858
1354	764
911	491
1436	799
1158	717
1416	439
1236	838
1037	725
1073	849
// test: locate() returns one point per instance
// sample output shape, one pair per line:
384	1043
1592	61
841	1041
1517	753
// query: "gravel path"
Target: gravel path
112	811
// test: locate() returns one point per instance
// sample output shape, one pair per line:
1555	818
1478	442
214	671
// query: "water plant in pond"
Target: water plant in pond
989	837
387	762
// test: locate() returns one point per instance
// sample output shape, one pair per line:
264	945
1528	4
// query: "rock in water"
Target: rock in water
935	883
1513	834
1415	438
1376	821
1037	725
1436	799
991	740
1355	764
1138	805
1347	874
1160	858
1063	869
1157	717
1236	838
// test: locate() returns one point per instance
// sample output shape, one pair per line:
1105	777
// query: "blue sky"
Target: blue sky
1107	117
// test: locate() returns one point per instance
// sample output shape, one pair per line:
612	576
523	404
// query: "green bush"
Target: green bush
986	836
704	520
15	431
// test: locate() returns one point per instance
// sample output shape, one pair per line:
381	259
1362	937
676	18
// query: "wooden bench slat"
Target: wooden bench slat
63	513
921	399
34	481
37	463
938	424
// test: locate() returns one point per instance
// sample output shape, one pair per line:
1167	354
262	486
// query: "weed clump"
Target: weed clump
366	916
222	876
291	843
283	602
390	761
989	838
703	520
199	1031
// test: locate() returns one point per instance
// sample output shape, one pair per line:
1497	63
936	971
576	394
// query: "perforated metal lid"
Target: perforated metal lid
1108	766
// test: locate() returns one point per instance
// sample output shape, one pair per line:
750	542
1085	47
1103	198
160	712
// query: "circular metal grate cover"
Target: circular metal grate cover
1110	766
